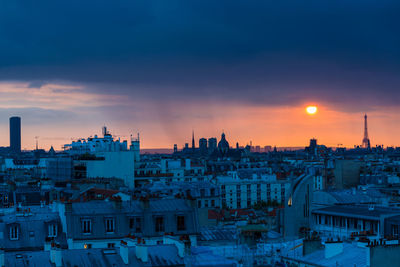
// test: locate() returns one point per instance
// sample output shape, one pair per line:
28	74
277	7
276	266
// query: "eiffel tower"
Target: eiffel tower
365	142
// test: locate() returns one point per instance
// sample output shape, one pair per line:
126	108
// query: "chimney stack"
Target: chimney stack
124	252
2	258
58	256
141	252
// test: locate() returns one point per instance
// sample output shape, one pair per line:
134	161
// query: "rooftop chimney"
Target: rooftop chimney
180	245
124	252
58	256
141	253
2	260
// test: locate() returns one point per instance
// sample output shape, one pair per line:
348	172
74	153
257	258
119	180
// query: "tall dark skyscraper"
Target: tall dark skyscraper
15	134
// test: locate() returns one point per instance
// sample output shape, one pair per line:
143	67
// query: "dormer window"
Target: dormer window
135	224
14	232
110	225
86	226
180	223
159	224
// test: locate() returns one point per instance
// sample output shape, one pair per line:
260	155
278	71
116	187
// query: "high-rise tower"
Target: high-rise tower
15	134
365	142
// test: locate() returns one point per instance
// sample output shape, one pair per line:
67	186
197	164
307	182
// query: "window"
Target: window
202	192
159	224
206	203
14	232
52	230
212	192
110	225
138	228
395	230
199	203
131	223
87	226
180	221
110	245
212	203
87	246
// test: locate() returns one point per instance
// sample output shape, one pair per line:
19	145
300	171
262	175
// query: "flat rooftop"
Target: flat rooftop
358	211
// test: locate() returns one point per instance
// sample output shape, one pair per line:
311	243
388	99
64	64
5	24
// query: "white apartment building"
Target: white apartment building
107	143
239	193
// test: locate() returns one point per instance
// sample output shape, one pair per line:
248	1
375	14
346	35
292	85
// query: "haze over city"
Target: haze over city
166	68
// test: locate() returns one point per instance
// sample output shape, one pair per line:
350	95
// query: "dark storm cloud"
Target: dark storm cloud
259	52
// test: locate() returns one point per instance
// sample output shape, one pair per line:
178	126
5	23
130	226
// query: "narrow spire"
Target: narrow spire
193	143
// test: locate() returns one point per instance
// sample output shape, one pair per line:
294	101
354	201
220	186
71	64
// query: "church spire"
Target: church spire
193	143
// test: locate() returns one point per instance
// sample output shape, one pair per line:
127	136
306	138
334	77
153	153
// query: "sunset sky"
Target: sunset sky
165	68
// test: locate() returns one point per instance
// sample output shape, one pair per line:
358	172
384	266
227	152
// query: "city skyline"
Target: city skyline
196	140
164	69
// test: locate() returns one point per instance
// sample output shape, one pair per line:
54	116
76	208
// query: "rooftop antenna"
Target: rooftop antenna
37	145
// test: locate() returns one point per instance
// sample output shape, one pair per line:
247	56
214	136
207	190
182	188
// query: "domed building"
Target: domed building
223	145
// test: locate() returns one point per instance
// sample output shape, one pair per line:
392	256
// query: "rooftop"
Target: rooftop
358	211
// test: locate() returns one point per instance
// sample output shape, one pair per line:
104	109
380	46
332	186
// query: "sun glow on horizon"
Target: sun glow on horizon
311	110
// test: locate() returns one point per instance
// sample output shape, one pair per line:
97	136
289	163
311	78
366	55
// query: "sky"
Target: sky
165	68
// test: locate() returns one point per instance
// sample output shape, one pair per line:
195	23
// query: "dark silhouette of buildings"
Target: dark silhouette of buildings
203	145
15	134
212	144
223	145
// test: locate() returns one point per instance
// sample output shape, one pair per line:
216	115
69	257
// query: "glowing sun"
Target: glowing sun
311	110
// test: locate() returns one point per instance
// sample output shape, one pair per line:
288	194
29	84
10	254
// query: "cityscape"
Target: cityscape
200	134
